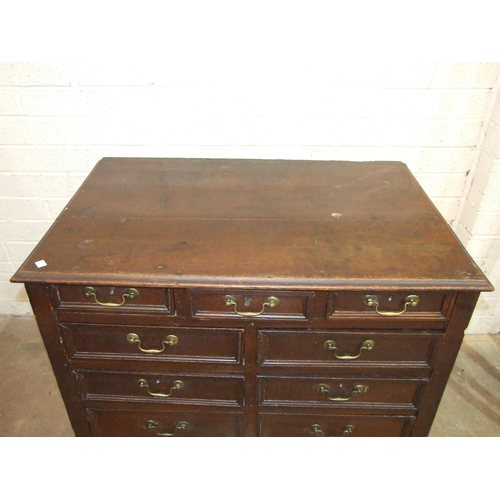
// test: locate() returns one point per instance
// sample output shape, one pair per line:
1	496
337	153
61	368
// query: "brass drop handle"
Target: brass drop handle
356	390
176	386
230	300
180	426
130	293
133	338
318	430
331	345
371	300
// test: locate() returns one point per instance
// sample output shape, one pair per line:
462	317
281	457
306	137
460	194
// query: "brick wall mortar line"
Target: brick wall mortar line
479	149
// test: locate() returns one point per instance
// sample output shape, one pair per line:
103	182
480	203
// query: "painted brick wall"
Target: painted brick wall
479	225
58	119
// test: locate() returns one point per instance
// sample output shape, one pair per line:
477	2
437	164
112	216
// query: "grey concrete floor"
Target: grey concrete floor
31	405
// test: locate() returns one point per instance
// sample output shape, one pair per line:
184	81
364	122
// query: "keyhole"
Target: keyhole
247	301
390	298
112	290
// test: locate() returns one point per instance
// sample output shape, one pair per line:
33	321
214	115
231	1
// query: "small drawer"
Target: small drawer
395	307
178	344
161	388
115	298
334	426
119	423
324	348
251	305
340	392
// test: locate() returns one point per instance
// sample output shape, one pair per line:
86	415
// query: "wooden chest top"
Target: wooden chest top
256	223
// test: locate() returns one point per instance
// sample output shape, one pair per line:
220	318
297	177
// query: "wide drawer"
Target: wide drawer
340	392
165	424
334	426
331	347
386	308
178	344
251	304
115	298
173	388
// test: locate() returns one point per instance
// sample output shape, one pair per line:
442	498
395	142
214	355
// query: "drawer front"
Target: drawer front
223	345
340	392
334	426
398	307
251	305
322	348
165	424
116	298
161	388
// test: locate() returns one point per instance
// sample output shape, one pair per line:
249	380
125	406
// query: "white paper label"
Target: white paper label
40	263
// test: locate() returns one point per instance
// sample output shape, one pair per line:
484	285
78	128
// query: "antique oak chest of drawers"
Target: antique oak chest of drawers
192	297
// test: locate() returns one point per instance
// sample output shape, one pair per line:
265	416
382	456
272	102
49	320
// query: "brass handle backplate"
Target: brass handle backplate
230	300
318	430
371	300
331	345
180	426
177	385
133	338
130	293
356	390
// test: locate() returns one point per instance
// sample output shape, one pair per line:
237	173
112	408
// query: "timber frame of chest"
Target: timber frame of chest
203	297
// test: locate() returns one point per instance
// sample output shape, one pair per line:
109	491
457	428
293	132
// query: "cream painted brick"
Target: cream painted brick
29	159
495	117
4	256
244	101
487	223
178	71
480	182
490	201
11	290
46	186
6	268
24	208
20	250
427	133
463	235
21	230
483	325
491	267
447	207
69	102
442	185
16	307
11	132
57	206
466	75
123	73
252	131
90	132
487	306
34	73
468	218
481	246
8	104
415	75
491	142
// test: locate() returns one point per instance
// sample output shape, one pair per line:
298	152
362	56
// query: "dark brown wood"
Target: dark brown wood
318	236
39	296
